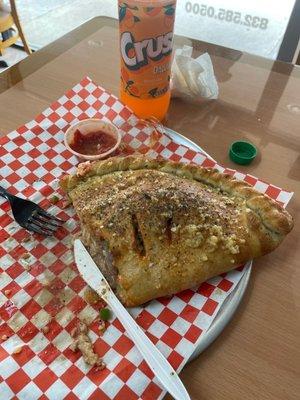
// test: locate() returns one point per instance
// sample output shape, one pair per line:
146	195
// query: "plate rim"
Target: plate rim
229	307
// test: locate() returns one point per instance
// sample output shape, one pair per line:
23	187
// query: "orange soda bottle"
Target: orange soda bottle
146	40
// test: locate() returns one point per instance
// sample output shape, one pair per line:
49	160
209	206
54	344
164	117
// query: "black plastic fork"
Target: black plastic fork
31	216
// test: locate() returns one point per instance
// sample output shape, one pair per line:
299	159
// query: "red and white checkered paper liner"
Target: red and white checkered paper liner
32	159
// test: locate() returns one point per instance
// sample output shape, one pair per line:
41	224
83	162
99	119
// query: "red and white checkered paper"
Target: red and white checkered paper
32	159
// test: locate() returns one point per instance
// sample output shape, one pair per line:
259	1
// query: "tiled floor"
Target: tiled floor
259	30
46	20
12	56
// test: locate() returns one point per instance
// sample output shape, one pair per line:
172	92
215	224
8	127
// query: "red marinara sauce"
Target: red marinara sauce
93	143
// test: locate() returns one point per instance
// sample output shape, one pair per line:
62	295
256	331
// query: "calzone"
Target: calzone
156	227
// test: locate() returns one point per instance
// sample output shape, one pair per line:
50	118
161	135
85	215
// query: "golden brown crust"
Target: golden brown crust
157	227
272	214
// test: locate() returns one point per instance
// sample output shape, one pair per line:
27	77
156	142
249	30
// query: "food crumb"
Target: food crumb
45	329
91	297
25	256
26	239
18	350
101	366
7	292
73	332
54	199
83	343
4	337
102	326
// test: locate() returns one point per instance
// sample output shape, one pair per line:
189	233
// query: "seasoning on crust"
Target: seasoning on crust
156	227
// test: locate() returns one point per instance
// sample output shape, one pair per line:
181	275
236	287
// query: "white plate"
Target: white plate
233	300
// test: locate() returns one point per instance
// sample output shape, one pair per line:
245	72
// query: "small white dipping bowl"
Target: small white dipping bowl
87	126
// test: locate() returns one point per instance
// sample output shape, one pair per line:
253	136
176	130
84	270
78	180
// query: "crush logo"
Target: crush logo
137	54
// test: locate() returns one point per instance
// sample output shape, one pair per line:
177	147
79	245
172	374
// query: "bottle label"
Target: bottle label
146	37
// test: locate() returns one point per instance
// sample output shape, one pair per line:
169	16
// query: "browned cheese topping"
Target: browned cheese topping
199	215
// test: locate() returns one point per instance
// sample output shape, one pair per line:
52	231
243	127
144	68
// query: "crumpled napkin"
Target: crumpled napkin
193	78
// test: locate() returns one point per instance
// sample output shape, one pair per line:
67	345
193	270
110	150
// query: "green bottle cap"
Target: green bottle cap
242	152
